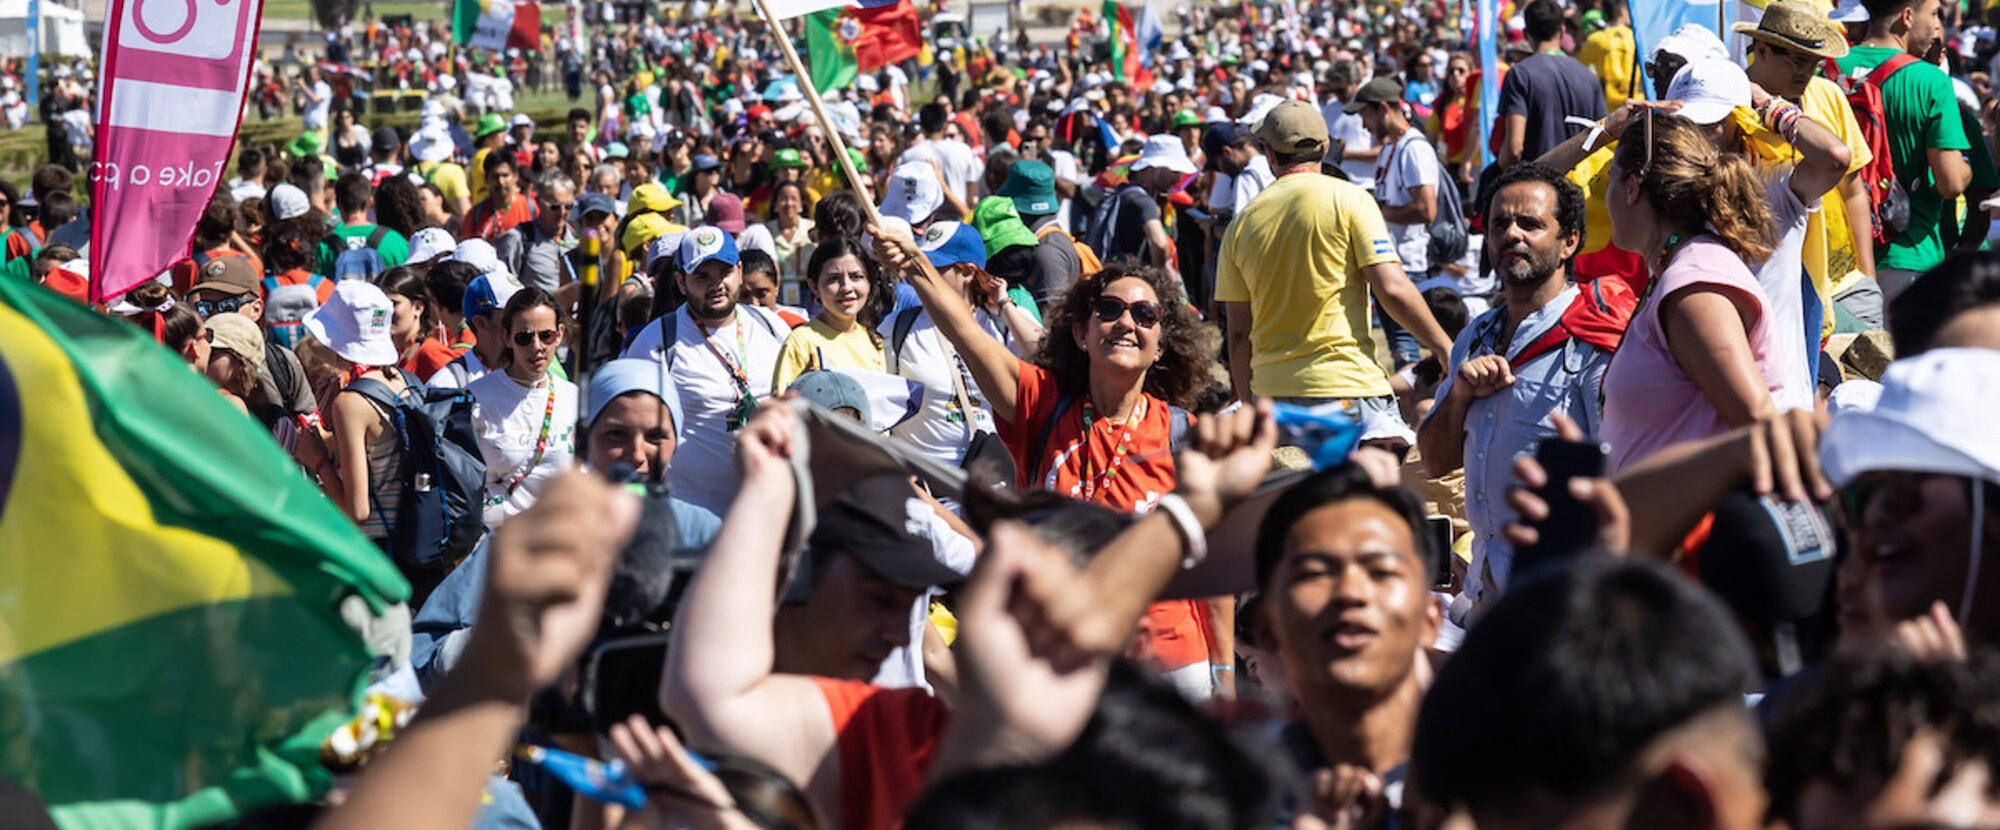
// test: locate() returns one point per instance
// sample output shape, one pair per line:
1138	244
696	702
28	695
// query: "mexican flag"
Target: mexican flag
172	651
496	24
859	36
1129	44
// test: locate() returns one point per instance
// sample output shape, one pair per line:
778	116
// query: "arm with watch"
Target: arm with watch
1037	636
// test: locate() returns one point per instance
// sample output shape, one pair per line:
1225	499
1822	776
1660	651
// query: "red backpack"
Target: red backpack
1891	212
1598	316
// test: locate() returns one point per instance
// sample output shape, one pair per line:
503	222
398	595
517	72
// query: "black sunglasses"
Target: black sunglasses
210	308
1145	313
525	339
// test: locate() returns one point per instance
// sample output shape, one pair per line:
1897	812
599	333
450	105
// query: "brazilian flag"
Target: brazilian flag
171	653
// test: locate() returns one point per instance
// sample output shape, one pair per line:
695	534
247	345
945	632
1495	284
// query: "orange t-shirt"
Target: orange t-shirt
19	244
1129	474
430	356
482	223
888	739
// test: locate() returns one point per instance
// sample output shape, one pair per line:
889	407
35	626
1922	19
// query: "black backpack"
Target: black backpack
438	518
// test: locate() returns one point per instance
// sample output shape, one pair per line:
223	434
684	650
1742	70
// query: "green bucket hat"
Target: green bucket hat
307	144
1032	186
1186	118
489	124
788	158
1000	226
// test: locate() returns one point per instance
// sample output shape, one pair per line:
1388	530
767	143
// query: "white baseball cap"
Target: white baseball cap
1709	89
1692	42
1164	151
480	254
429	243
354	323
913	193
288	201
1930	418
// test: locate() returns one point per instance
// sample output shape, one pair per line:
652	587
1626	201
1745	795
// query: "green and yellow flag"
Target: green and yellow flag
170	650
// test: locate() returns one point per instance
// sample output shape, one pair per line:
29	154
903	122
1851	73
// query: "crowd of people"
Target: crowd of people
1663	500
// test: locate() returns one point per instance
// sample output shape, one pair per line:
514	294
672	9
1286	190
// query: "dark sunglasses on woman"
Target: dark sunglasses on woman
524	339
1145	313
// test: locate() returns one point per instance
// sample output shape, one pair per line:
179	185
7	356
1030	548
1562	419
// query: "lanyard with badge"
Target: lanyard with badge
746	401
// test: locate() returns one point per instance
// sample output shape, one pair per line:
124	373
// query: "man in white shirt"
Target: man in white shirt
1406	173
317	98
962	169
721	355
1358	150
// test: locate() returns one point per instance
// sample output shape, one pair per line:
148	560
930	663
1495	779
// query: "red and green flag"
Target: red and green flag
1128	49
860	36
496	24
172	650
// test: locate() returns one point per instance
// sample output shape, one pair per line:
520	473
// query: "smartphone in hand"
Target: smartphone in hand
1571	524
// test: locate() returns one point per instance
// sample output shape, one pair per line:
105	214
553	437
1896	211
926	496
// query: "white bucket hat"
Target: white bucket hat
1164	151
354	323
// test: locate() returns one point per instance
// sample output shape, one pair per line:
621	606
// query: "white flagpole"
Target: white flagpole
833	137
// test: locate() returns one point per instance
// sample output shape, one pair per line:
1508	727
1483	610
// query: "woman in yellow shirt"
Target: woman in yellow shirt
852	300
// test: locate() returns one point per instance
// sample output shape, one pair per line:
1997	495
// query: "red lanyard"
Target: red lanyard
541	442
1091	483
735	367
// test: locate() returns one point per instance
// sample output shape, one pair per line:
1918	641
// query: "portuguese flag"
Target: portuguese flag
171	653
843	42
1128	52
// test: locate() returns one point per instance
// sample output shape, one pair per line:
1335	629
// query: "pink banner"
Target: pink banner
170	98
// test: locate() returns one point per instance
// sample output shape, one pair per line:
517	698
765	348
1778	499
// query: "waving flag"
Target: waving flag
1126	48
497	24
857	37
788	9
171	649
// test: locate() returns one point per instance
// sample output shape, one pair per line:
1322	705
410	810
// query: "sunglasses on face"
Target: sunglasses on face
1145	313
524	339
210	308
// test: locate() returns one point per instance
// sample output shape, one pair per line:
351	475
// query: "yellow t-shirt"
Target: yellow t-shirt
477	175
1608	52
816	345
1838	268
449	178
1296	255
1593	177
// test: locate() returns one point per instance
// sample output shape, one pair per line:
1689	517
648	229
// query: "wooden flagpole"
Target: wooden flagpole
833	136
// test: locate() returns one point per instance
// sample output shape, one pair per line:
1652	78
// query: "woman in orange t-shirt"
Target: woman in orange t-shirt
412	326
1093	417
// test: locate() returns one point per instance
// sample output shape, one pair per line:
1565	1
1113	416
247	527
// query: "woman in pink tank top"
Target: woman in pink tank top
1698	357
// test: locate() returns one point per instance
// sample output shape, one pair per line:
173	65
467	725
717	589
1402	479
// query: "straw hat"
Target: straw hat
1798	27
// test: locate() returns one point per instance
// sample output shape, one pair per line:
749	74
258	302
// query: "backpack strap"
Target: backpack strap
201	258
374	390
1887	69
1063	404
900	332
376	236
333	240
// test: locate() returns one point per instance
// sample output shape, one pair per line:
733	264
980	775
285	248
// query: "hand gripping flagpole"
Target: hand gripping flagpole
833	137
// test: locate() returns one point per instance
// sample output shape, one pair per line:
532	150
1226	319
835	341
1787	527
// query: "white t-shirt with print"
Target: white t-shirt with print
1409	163
961	166
703	473
509	415
937	430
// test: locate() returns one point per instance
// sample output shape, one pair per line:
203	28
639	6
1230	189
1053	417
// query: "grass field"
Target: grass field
302	9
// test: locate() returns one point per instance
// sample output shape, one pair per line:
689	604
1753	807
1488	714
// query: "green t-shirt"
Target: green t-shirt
394	249
1921	112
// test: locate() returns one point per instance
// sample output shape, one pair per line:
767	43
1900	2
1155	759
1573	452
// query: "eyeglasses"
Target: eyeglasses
208	335
525	339
1145	313
559	207
1799	61
210	308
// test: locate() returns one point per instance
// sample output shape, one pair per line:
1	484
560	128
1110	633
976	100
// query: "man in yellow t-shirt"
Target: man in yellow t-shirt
1609	53
1294	276
489	136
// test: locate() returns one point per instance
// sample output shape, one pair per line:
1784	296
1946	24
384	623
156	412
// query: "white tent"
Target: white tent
62	29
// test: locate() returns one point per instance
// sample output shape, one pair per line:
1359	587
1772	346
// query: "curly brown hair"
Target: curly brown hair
1187	347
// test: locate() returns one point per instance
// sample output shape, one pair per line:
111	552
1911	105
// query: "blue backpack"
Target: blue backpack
438	518
354	258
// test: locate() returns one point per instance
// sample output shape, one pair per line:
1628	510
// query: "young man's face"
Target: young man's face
852	619
1926	27
712	288
1350	602
579	130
